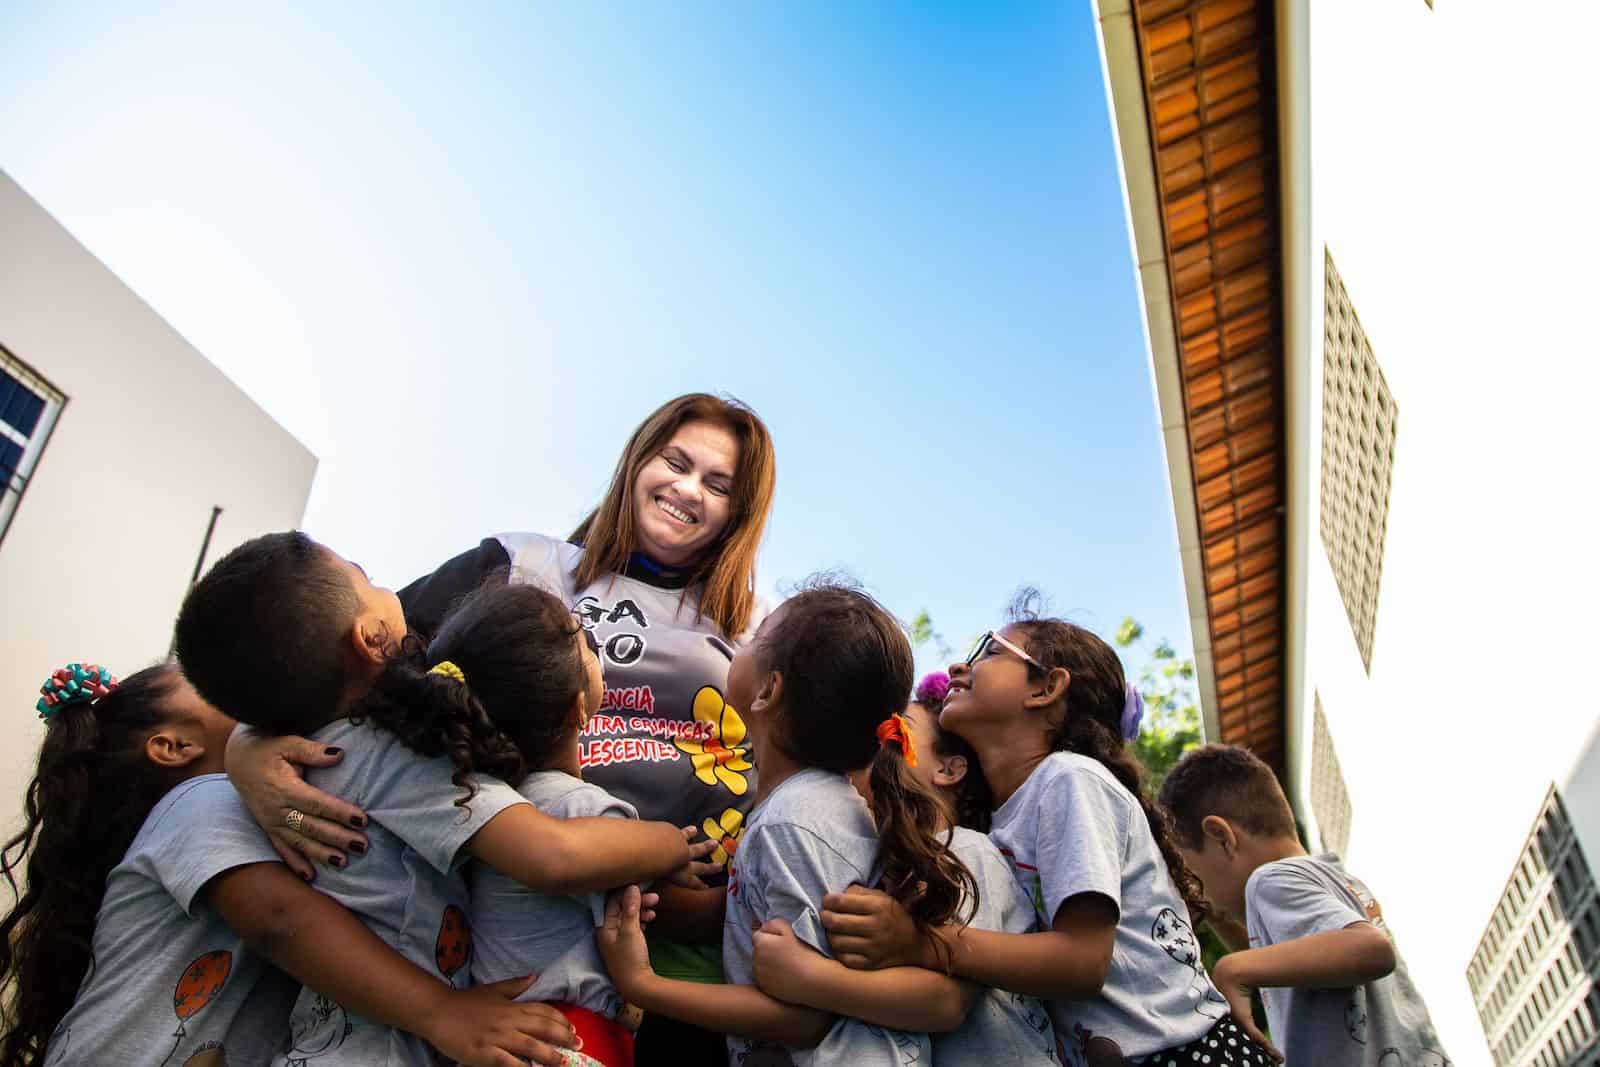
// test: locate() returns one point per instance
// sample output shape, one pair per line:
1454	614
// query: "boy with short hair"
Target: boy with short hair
1335	990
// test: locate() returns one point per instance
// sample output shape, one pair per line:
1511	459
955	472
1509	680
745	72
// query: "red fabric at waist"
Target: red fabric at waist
600	1039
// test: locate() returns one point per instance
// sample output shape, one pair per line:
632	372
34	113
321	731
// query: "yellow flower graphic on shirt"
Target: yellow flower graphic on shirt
725	830
719	752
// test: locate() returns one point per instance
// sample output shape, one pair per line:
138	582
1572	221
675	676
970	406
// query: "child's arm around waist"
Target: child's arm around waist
317	942
900	998
869	930
742	1010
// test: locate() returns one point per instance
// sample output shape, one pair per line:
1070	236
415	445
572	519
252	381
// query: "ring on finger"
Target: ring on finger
294	819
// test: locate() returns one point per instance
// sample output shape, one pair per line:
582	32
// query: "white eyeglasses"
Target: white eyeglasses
992	638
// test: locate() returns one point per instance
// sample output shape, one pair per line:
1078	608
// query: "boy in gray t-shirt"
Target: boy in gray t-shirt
1335	989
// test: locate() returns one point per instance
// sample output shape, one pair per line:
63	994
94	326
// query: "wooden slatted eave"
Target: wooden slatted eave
1206	66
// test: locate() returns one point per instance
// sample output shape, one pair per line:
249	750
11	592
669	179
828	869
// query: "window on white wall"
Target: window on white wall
1330	800
28	409
1358	429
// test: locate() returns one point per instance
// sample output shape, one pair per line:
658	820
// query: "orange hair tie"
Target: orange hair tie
895	730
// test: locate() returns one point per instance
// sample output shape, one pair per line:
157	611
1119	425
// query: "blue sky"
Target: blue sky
462	255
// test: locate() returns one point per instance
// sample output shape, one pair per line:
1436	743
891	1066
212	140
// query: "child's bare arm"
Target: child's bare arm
868	929
741	1010
316	941
1338	959
900	998
578	855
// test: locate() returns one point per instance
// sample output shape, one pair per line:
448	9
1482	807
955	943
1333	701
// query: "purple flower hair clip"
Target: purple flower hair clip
932	689
1132	713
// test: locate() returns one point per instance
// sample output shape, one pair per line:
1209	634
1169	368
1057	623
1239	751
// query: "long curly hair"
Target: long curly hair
1091	721
846	667
91	793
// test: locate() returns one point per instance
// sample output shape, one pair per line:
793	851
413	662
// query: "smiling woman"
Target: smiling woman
662	574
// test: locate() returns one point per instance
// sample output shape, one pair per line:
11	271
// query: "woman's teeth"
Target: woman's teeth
676	513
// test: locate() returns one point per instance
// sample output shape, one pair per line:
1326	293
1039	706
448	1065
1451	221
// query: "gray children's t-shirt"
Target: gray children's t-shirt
172	983
408	887
812	836
1381	1024
1072	828
521	932
1003	1027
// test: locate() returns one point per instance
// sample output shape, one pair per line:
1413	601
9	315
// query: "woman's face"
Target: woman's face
681	496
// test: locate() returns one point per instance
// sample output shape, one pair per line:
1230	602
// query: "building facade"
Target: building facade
123	453
1359	271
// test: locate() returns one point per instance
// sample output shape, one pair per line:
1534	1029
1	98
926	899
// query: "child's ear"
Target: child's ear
371	639
578	711
1216	828
170	748
769	695
1051	690
950	770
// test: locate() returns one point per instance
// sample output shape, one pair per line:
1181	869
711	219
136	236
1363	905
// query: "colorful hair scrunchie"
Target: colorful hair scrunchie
896	731
449	670
76	683
1132	712
932	689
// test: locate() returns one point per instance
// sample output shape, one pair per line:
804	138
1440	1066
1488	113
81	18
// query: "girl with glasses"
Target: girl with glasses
1049	712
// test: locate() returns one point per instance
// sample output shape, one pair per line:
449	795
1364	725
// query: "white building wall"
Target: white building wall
1450	180
152	436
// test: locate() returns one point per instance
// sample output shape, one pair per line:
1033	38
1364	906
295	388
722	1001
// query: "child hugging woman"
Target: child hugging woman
1049	712
824	681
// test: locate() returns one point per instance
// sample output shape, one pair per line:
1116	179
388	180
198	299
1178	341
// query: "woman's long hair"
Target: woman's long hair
725	573
91	793
1091	721
846	667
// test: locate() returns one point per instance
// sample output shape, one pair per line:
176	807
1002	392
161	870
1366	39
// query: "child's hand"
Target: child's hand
690	875
1225	977
622	945
485	1027
781	960
869	930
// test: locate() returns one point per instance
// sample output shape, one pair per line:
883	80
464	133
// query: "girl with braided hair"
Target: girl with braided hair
1048	710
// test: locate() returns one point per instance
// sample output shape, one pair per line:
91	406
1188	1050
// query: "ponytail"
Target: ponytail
434	713
919	870
91	793
1093	719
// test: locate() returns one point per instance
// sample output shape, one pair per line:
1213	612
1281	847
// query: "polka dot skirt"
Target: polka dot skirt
1224	1044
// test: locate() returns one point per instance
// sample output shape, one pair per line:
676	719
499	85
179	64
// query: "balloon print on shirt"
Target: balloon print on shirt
452	949
324	1032
197	986
1176	938
1355	1017
718	752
